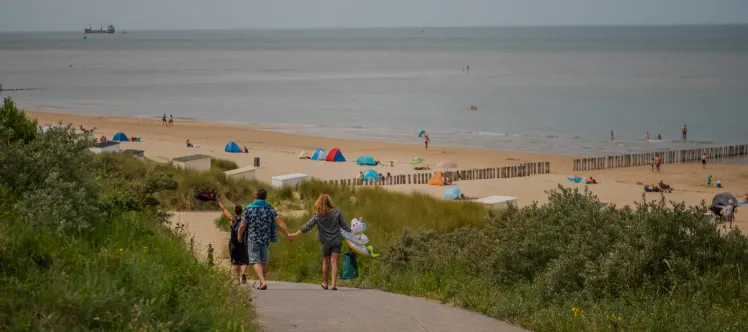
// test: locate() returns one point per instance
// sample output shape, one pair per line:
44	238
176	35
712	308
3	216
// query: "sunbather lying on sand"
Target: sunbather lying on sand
421	168
665	187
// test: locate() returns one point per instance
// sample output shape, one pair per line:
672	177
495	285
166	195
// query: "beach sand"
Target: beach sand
278	153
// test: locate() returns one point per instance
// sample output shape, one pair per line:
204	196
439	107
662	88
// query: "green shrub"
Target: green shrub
652	267
14	125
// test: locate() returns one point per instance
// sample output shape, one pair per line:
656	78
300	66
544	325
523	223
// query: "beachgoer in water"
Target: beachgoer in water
468	69
237	250
684	131
426	140
659	137
658	162
611	135
648	136
329	221
703	160
163	120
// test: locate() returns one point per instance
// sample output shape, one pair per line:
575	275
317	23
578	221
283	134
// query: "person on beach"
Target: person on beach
659	137
684	131
245	149
171	120
426	140
703	160
163	120
652	163
257	220
329	221
658	162
237	250
189	145
611	135
648	137
729	212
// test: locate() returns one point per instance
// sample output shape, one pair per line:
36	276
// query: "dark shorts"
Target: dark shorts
703	162
238	254
328	250
658	165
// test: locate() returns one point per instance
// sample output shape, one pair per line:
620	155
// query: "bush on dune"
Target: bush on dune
76	254
651	267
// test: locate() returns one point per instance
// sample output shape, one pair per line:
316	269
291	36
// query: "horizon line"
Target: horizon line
417	27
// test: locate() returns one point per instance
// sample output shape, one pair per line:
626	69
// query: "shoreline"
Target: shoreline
560	145
259	138
278	153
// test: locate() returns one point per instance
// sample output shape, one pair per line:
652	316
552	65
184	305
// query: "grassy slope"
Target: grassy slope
80	248
637	269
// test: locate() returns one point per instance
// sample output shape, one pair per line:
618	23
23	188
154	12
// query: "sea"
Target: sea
556	90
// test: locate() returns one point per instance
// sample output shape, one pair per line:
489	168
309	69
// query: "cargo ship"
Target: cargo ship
109	29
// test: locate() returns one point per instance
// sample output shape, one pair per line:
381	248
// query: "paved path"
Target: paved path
307	307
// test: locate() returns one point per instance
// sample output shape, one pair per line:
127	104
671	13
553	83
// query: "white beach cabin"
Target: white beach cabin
496	201
110	146
247	173
289	180
198	162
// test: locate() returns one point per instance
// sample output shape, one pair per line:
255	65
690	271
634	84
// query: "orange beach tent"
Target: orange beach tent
437	179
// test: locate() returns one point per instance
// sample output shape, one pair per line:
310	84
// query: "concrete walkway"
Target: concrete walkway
308	307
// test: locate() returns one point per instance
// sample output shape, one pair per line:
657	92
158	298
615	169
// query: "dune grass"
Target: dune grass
83	246
572	264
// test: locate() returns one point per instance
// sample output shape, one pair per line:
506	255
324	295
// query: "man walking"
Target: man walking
258	219
684	131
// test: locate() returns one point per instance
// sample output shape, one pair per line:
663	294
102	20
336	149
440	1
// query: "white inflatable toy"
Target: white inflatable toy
356	240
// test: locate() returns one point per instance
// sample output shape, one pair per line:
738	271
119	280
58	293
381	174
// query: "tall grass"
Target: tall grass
84	246
386	214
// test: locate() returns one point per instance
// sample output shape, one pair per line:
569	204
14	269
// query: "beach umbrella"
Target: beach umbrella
421	133
452	193
366	161
416	161
724	199
371	175
446	164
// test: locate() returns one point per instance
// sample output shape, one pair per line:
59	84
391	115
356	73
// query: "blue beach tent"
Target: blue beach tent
366	161
452	193
232	147
319	154
371	175
120	136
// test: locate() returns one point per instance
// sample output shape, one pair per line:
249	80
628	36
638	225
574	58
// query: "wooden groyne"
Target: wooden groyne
522	170
668	157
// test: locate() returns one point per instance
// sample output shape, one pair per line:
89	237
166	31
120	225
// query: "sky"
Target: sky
69	15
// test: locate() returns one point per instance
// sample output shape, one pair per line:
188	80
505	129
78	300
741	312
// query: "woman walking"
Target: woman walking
237	250
329	221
